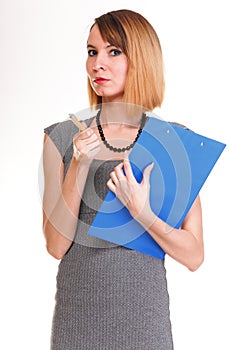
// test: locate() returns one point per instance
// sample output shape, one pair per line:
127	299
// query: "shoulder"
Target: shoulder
65	127
61	128
166	122
180	125
62	133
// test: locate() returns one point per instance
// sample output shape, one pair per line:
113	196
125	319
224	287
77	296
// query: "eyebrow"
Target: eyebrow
94	47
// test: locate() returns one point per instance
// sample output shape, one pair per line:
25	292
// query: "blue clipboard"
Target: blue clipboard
182	162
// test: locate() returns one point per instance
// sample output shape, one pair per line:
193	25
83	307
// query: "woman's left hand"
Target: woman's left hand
134	195
184	244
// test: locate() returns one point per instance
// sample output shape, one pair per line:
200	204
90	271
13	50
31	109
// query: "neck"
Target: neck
111	147
120	113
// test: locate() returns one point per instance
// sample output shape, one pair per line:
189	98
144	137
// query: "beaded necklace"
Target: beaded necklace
106	143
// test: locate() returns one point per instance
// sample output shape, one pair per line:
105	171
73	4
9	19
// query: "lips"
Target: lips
100	80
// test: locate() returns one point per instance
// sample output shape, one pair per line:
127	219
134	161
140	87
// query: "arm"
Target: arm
185	244
62	197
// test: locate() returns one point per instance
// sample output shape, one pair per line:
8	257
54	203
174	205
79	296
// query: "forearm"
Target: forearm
180	244
60	225
184	245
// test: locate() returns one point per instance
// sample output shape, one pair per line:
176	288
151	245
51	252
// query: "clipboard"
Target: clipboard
182	160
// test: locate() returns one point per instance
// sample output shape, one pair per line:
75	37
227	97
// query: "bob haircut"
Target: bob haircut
136	37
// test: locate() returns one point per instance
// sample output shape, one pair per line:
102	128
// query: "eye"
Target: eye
92	52
115	52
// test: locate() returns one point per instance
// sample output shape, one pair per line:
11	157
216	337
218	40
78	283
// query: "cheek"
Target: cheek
124	70
123	75
87	66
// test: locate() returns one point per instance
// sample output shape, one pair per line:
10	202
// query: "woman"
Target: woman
108	296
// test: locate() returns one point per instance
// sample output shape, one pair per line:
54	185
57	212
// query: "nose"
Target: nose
99	63
98	68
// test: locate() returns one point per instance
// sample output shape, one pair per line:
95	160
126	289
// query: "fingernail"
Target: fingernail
152	165
89	132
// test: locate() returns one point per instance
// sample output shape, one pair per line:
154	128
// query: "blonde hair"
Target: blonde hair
136	37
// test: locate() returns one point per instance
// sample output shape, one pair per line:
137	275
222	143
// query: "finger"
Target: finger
87	144
113	177
84	124
91	147
94	151
146	173
85	134
94	144
119	172
88	150
128	170
111	186
91	138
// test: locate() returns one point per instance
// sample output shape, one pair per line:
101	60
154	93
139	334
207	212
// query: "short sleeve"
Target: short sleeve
180	125
62	135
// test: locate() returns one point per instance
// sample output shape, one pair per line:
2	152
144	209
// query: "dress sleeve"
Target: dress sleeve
62	135
180	125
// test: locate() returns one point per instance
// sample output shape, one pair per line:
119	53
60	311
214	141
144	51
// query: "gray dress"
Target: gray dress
108	297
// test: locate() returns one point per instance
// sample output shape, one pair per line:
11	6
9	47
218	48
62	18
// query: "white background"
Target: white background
42	79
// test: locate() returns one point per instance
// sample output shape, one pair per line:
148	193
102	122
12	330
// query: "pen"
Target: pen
76	122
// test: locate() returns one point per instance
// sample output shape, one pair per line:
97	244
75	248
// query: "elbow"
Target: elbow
195	263
54	243
57	254
196	257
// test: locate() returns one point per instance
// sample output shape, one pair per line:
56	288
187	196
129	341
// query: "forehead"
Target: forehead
103	33
95	36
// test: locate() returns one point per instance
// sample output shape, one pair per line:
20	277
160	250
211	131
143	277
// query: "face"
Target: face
106	67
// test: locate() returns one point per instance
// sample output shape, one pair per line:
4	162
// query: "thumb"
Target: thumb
146	173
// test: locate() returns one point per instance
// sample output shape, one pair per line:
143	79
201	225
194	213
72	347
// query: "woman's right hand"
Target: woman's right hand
62	194
86	144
